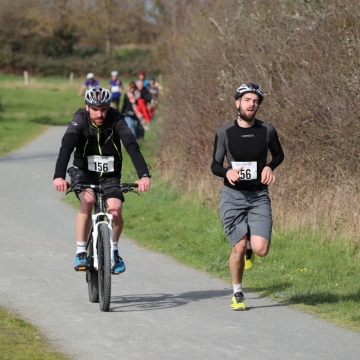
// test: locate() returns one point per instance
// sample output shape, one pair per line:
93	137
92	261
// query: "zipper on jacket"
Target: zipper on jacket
87	140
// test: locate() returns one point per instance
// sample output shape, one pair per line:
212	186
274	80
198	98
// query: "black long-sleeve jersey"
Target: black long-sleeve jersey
246	145
87	139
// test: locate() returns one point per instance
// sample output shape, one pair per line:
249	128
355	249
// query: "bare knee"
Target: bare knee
261	249
117	216
262	252
238	251
86	206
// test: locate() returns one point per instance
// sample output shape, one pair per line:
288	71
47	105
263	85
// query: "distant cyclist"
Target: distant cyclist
244	203
90	83
97	133
116	87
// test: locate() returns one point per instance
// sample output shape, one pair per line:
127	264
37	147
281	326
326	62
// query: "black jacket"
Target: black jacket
87	139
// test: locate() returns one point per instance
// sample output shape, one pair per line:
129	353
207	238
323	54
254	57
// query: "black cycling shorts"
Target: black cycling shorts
79	176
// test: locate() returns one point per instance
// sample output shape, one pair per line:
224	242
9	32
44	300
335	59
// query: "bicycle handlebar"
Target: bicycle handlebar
124	187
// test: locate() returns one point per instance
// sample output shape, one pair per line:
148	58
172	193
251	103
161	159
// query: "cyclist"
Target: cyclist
90	83
244	203
96	133
115	87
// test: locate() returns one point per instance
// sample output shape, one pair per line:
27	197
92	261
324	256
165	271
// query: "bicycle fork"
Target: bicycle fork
95	235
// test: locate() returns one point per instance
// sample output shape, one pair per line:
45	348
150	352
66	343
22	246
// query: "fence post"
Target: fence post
26	78
71	78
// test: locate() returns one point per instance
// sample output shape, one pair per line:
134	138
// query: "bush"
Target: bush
127	65
305	55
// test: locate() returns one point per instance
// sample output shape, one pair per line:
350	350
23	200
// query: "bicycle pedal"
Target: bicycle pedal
81	268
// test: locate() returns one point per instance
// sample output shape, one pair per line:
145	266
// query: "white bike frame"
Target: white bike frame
95	235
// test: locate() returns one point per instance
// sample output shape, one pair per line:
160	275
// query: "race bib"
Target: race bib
249	169
101	163
115	89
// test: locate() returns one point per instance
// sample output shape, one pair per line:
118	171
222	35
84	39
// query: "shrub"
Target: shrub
305	55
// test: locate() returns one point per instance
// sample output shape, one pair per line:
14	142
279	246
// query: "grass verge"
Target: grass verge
20	340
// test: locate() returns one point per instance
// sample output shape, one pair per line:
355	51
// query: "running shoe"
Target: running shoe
81	262
249	259
119	264
237	302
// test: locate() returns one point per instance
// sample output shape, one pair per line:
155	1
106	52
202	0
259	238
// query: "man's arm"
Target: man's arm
217	167
276	150
132	147
82	89
68	144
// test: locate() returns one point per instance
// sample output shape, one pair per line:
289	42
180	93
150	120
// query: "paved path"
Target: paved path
159	310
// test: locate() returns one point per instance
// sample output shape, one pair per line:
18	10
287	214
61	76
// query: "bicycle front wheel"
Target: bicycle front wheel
104	269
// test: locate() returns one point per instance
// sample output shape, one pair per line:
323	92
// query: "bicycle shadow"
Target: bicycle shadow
146	302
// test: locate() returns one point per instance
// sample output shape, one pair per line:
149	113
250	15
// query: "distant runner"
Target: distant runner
90	83
116	87
244	203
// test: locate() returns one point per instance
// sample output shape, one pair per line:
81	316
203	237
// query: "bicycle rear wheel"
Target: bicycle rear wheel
92	274
104	270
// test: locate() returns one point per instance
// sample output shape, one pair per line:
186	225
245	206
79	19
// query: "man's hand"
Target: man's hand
143	184
233	175
60	184
267	176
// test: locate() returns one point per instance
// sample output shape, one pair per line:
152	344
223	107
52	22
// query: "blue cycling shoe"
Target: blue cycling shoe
81	262
119	264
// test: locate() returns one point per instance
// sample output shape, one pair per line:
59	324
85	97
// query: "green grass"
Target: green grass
28	110
20	340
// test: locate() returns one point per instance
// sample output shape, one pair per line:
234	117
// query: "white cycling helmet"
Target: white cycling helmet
114	73
97	97
90	76
249	88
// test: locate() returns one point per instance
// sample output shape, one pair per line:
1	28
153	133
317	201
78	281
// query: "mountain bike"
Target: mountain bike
100	244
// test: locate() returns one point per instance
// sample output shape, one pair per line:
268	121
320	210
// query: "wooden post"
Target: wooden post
71	78
26	78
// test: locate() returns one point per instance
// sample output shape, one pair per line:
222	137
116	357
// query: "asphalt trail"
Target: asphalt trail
159	309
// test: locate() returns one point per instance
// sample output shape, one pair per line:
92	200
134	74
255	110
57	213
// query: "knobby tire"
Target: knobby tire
92	275
104	271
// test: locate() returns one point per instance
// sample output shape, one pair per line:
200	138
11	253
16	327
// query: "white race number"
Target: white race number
100	163
249	169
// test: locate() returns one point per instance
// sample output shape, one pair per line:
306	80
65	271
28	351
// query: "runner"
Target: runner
244	203
116	87
132	114
90	83
97	133
142	77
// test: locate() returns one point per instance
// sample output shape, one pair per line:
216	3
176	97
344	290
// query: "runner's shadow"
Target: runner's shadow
145	302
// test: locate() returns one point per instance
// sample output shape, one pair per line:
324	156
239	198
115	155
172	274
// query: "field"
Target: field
301	270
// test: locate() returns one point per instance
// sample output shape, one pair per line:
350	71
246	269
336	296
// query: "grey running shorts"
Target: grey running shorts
244	212
85	177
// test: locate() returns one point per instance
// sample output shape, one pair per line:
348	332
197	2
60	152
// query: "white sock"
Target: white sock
80	247
248	245
237	288
116	246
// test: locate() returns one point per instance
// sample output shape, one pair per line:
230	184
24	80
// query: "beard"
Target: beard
245	117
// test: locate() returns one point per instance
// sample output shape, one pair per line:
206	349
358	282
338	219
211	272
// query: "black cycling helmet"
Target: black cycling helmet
97	97
249	88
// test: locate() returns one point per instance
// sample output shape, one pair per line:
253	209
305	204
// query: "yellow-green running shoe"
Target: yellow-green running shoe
237	302
249	259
